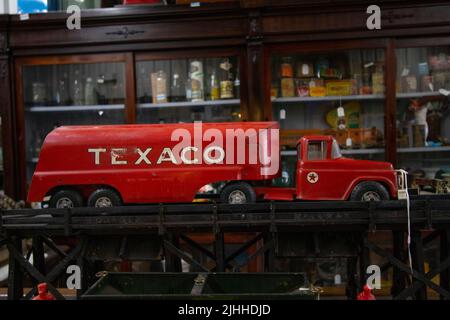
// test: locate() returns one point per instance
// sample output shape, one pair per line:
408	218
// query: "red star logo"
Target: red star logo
312	177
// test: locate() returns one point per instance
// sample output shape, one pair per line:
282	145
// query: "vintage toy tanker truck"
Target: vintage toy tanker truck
112	165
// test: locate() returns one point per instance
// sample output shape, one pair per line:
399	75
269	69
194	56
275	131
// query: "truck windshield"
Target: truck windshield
335	150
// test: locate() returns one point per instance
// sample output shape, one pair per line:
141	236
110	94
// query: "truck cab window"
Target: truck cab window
317	150
335	150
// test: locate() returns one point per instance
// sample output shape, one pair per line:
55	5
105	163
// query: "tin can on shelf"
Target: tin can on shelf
197	81
286	68
287	87
226	89
302	86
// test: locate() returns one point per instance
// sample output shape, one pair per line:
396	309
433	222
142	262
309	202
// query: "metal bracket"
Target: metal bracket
372	216
216	228
273	226
161	229
68	222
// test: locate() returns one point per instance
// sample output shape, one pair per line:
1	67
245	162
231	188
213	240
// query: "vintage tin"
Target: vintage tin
197	81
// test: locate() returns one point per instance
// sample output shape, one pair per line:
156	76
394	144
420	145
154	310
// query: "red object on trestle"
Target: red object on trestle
366	294
43	293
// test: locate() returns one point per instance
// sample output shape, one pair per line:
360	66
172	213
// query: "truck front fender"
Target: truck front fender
383	180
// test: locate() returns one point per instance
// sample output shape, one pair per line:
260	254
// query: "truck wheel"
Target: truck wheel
103	198
66	199
238	193
369	191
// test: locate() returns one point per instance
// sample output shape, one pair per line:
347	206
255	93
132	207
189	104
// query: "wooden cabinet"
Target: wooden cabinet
134	63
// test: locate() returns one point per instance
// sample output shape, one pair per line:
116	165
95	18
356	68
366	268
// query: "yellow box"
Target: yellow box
317	91
339	88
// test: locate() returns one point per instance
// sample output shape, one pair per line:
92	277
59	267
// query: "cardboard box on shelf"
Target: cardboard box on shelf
339	88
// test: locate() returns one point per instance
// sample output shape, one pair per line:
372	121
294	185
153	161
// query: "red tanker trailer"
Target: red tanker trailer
124	164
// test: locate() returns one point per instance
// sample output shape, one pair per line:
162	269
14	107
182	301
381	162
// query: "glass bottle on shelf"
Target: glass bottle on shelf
197	81
159	87
237	85
39	94
287	78
176	91
101	89
214	87
378	79
78	96
90	97
62	95
226	83
188	86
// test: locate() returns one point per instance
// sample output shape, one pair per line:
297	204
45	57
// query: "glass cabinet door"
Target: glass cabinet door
339	93
69	94
187	90
423	115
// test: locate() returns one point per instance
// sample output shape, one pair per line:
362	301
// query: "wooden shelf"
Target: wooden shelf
423	149
379	150
76	108
188	104
417	95
344	151
329	98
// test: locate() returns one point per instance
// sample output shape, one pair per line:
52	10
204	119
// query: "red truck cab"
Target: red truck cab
322	173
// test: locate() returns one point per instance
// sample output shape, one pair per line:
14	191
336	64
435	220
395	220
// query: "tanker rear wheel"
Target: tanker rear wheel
104	198
66	198
238	193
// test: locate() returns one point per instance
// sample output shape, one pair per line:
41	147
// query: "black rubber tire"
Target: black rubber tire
112	195
247	189
369	186
73	195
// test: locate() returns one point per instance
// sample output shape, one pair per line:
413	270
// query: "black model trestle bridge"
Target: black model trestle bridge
279	229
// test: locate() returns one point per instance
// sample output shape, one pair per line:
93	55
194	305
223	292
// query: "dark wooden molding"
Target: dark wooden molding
125	32
391	16
8	137
3	70
3	41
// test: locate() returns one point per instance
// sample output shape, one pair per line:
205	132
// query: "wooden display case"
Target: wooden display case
253	35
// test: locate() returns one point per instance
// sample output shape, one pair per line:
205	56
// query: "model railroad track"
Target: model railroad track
426	213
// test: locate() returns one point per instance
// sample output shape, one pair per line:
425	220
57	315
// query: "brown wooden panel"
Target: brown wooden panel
6	113
204	44
3	43
72	59
390	131
130	99
163	31
182	54
341	19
